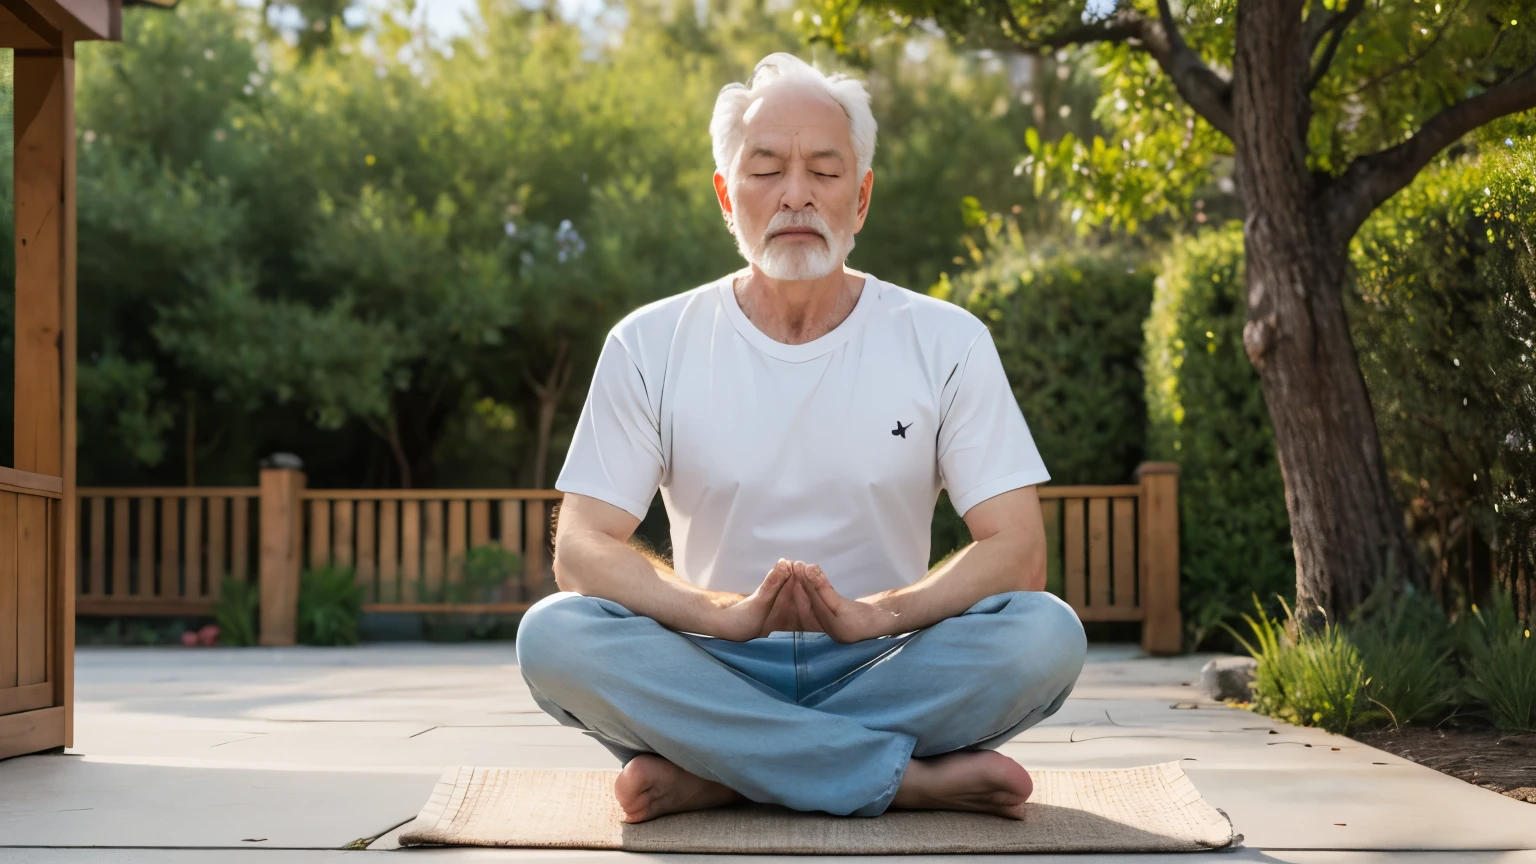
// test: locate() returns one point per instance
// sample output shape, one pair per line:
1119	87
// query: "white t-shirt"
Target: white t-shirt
832	452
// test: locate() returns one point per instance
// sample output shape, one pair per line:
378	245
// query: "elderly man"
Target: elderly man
800	418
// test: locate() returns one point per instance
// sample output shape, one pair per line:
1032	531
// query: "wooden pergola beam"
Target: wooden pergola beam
70	20
31	31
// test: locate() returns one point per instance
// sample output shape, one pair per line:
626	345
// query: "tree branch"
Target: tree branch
1372	179
1199	85
1333	27
1204	90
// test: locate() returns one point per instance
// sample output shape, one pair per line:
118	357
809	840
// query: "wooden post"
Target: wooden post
44	417
1162	628
282	532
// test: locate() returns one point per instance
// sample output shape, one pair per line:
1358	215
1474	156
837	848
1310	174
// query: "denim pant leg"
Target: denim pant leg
641	688
968	682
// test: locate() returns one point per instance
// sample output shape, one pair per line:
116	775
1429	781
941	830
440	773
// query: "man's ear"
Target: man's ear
866	190
723	194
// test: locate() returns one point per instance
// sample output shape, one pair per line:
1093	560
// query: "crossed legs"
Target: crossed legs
859	728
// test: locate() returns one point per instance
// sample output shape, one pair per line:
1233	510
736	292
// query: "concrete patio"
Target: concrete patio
307	755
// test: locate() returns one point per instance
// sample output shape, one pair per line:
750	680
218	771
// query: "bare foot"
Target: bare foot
650	786
981	781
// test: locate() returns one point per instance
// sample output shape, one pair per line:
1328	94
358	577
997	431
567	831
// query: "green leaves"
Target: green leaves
1394	663
236	612
1501	664
330	604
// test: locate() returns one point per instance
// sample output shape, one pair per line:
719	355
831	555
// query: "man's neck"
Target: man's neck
795	311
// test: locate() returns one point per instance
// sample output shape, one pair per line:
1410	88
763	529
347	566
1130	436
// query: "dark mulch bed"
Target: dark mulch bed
1503	762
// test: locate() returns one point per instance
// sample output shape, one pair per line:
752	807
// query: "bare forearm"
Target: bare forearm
995	565
597	565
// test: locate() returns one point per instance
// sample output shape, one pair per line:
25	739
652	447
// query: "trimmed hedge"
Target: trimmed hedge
1206	412
1443	311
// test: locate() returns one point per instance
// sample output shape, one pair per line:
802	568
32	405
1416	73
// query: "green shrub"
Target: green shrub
330	604
1443	314
1313	678
487	570
237	611
1406	646
1501	663
1207	413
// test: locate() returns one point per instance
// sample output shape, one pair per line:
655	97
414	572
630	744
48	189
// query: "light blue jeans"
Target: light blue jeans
799	719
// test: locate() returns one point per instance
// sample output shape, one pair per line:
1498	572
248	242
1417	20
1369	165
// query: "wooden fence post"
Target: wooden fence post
1162	628
282	532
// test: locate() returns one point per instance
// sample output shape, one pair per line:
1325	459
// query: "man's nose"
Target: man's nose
797	191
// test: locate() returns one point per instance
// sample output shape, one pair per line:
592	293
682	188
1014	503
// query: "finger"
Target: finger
823	611
802	601
773	584
822	587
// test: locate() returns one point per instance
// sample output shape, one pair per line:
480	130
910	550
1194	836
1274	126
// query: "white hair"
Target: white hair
734	99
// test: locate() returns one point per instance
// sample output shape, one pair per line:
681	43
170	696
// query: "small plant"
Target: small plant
1405	643
236	611
486	570
1312	677
330	604
1501	663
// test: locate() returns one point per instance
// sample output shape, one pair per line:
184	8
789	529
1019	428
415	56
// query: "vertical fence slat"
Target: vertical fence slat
1125	552
341	533
1050	512
96	586
457	530
410	551
120	544
479	523
319	532
533	556
1098	551
146	587
240	538
1072	553
389	552
192	542
217	568
170	546
365	552
432	570
511	524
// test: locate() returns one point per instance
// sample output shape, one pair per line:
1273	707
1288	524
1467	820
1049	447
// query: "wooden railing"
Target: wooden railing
1113	550
162	551
407	545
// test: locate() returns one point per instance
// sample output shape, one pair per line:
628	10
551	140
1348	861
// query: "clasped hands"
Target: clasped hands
797	596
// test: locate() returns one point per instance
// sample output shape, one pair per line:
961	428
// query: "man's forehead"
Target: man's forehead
781	123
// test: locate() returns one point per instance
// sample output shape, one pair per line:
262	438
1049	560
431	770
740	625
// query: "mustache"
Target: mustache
797	219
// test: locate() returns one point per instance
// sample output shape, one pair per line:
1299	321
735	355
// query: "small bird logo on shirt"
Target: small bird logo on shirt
900	429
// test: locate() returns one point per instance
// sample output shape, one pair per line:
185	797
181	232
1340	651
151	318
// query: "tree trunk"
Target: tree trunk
549	392
1345	520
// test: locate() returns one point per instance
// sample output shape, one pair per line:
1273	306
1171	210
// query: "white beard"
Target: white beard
793	260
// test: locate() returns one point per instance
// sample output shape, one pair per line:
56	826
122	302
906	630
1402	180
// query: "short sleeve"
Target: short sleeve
616	453
984	446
